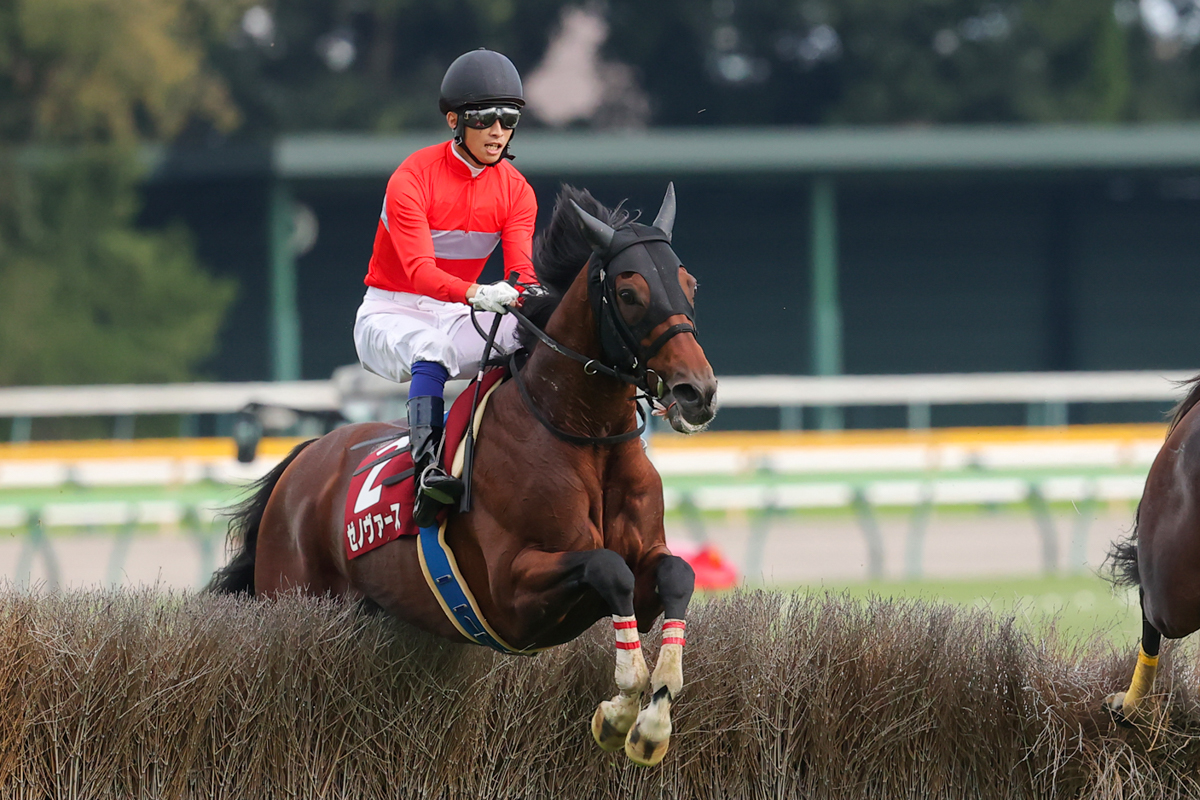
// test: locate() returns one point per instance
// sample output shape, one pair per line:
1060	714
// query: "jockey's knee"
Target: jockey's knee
432	346
390	350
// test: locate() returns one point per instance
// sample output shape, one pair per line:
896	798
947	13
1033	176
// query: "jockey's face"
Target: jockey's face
485	145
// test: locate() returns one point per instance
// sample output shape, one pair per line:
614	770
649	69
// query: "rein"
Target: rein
571	437
591	366
640	249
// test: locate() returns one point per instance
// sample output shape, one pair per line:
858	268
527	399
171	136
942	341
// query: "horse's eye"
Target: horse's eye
628	296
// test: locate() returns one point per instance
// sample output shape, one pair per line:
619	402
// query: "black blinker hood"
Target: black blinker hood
657	263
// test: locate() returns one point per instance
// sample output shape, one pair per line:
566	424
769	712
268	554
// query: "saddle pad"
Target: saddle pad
379	504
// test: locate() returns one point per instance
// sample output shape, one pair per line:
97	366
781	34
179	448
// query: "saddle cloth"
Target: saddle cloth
379	504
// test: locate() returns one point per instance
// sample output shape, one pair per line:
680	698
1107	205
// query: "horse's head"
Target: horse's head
643	298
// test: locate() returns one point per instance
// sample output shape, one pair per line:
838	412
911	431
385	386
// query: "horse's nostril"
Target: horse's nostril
686	394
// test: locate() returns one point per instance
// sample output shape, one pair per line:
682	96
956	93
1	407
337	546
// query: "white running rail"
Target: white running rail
350	385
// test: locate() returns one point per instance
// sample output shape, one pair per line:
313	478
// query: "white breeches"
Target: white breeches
392	330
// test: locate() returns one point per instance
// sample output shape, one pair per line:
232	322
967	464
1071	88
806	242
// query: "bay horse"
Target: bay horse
566	522
1162	555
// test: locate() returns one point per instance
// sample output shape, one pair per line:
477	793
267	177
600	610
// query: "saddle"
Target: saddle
379	504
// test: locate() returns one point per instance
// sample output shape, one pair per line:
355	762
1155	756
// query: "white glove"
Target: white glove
495	297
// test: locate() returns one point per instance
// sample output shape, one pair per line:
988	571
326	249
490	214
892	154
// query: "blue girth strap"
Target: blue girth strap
441	573
446	581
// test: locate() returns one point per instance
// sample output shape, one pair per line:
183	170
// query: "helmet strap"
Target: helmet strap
460	138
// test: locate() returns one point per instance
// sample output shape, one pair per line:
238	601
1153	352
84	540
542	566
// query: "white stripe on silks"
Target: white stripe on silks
462	245
383	216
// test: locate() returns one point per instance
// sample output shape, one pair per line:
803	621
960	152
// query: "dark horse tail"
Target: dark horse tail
1122	560
244	519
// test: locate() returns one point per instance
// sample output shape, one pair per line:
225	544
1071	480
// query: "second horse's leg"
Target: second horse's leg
1124	705
647	741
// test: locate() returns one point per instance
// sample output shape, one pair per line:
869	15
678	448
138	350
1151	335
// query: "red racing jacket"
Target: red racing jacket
439	225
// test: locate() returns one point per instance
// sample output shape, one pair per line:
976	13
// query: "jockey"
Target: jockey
446	209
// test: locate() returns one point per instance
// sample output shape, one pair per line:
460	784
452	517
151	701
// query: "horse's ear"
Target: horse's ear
666	213
599	235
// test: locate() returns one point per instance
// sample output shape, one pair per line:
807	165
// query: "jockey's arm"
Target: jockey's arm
517	237
408	227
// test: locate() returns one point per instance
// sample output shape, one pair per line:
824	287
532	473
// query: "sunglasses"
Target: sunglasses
484	118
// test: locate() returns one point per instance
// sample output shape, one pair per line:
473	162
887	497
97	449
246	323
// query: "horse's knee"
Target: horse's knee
609	575
676	582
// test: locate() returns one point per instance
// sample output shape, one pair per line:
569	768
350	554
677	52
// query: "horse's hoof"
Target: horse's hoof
644	750
1114	704
610	724
647	741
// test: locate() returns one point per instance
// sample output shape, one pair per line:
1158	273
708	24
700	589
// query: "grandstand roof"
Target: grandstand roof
726	150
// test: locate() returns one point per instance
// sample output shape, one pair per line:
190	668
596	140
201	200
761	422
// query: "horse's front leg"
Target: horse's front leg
647	741
607	574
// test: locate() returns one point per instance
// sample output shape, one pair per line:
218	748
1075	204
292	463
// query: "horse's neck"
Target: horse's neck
588	405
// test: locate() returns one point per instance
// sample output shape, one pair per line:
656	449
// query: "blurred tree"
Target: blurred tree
910	61
368	65
84	295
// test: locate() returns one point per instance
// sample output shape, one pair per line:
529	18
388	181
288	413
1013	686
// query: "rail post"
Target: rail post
122	543
37	542
869	526
760	528
914	547
1046	529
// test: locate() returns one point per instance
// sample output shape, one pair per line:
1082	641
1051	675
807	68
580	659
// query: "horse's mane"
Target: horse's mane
1186	404
560	251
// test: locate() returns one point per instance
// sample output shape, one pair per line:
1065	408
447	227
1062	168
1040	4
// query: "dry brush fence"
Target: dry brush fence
128	695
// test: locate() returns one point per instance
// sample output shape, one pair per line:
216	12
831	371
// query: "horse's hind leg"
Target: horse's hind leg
1124	705
647	741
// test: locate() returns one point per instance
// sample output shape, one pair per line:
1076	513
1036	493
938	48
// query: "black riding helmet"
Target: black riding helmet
477	79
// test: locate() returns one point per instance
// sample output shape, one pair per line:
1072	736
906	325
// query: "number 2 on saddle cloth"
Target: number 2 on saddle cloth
379	504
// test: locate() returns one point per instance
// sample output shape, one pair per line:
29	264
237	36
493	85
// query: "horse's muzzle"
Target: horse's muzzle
692	405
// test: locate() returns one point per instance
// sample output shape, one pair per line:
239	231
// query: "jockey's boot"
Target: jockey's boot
435	488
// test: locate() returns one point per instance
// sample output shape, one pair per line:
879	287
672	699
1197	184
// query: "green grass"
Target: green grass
1076	607
770	478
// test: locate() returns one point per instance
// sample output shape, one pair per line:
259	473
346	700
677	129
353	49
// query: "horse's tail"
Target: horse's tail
1122	561
244	519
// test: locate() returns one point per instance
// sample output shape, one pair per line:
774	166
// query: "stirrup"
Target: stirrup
439	486
434	491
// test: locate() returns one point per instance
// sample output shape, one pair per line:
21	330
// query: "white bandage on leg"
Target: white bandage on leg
631	672
669	670
674	632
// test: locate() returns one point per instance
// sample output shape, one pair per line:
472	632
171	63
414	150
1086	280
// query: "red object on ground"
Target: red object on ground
713	570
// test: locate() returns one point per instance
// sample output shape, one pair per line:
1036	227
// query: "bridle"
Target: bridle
646	251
